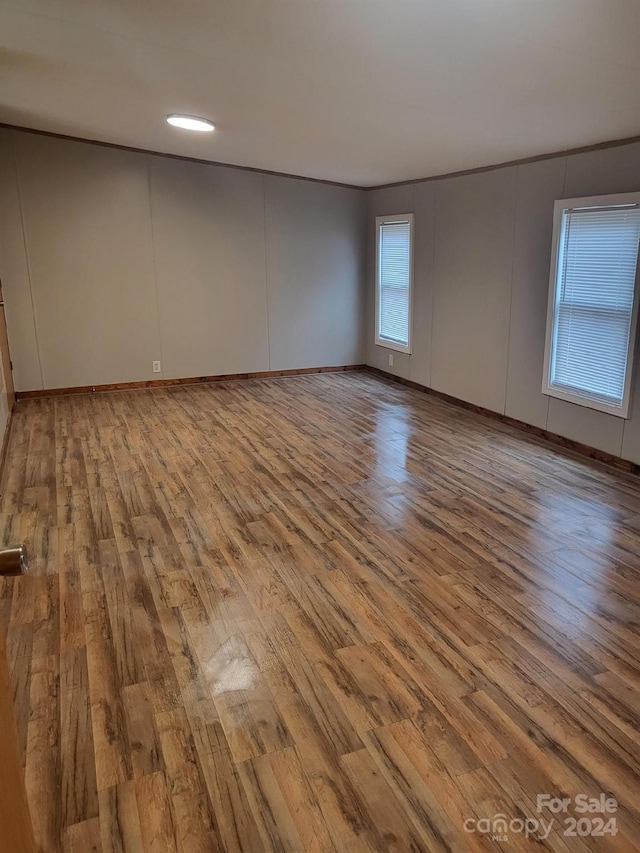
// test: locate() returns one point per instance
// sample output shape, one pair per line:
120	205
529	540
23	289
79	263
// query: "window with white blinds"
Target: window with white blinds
592	303
394	281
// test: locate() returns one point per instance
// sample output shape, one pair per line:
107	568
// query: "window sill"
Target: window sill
596	405
395	347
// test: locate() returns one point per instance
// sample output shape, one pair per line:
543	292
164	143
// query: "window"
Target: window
593	302
394	281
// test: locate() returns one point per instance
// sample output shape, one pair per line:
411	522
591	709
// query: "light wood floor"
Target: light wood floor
315	613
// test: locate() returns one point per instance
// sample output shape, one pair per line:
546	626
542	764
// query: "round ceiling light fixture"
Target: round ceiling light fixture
191	122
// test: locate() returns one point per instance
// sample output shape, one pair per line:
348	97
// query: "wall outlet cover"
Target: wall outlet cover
390	360
156	367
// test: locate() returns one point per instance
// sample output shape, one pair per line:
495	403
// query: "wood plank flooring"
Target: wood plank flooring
313	614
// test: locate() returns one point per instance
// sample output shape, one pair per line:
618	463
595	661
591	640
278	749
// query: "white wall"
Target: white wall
208	235
315	233
112	259
483	250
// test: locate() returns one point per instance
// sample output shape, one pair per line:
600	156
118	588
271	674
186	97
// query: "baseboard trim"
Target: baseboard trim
560	440
191	380
539	432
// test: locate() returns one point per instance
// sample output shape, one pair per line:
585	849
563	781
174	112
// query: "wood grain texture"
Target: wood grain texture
17	832
7	371
569	443
326	613
4	446
8	391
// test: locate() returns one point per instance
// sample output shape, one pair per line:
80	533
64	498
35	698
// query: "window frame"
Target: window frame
383	220
560	206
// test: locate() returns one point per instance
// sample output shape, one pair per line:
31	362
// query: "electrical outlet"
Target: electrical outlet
156	367
390	360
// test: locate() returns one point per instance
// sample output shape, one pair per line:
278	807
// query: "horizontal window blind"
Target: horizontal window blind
395	281
595	285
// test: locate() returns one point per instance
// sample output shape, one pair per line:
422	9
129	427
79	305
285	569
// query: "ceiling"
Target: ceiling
359	91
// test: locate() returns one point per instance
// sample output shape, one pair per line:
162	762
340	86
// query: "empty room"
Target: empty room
319	426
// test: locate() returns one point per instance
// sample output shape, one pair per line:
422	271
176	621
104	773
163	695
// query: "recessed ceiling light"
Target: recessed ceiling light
191	122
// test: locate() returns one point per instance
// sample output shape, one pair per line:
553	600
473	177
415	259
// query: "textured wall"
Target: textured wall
112	259
483	251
